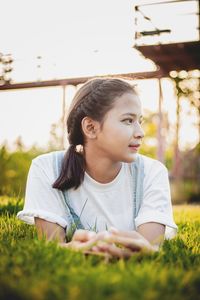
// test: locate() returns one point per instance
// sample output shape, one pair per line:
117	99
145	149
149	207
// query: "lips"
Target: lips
134	145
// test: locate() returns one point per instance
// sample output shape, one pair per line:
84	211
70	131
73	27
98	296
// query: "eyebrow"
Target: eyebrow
133	115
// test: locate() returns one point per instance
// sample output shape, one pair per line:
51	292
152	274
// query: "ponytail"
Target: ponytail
72	171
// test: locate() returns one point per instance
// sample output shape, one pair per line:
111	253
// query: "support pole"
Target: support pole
63	115
176	162
160	149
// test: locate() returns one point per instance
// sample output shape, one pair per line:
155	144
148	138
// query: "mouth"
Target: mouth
134	147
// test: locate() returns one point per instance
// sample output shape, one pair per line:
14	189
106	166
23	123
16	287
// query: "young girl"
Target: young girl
101	190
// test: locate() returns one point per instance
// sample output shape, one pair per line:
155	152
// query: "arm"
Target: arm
51	231
155	212
148	237
84	240
153	232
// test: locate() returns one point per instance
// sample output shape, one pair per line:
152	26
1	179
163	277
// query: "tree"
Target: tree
186	86
150	141
19	144
56	136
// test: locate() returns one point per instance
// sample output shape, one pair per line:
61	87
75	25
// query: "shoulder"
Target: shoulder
152	165
47	163
148	164
155	172
47	159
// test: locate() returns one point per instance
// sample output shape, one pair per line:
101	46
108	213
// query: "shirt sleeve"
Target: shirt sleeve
41	200
156	205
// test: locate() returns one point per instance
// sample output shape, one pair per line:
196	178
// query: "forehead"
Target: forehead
127	103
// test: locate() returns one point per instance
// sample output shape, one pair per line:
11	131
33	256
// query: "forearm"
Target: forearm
136	240
50	231
152	232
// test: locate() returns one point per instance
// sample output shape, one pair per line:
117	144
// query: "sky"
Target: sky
76	39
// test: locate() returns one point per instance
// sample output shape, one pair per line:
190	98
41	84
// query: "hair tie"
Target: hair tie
77	148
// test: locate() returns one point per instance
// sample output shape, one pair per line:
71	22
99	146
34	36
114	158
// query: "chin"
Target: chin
131	158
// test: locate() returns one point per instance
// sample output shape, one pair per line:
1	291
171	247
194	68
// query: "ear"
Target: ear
90	127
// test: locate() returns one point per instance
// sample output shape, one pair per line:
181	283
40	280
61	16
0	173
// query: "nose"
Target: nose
138	131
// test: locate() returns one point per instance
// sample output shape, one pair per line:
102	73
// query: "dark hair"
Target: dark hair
94	99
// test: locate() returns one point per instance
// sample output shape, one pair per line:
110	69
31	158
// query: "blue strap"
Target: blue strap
138	178
137	168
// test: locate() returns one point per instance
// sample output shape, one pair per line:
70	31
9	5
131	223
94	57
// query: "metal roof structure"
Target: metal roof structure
170	41
176	56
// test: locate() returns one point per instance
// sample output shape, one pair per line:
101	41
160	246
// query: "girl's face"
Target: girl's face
121	129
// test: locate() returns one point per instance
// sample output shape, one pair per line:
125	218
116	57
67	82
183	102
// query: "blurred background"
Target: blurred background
49	48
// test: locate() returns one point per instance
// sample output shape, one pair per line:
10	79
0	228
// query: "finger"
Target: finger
95	248
94	240
79	235
74	245
136	236
83	246
130	243
83	235
80	241
131	234
115	251
102	235
102	245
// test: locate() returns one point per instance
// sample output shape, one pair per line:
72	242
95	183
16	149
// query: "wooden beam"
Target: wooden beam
78	80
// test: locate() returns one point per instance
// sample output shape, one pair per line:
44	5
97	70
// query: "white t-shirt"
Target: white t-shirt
98	205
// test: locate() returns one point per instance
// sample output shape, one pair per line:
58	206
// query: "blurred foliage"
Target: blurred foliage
56	136
190	162
14	168
187	86
190	174
6	68
15	165
186	185
149	143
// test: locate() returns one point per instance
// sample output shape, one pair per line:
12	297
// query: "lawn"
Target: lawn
33	269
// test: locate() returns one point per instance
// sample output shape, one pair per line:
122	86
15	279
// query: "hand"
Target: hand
93	243
124	244
85	240
132	240
104	243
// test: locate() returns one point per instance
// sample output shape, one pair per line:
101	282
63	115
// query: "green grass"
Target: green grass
33	269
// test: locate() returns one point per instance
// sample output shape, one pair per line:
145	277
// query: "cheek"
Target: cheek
119	132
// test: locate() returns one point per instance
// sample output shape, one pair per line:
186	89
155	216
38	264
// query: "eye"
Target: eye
128	121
